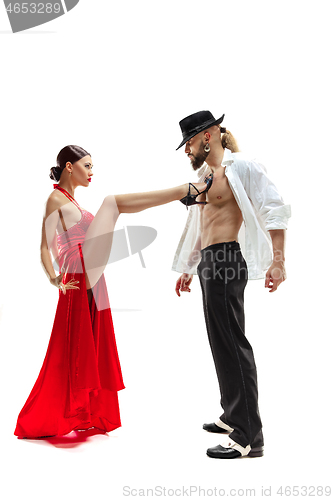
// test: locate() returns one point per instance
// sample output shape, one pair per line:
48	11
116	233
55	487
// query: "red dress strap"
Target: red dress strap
69	196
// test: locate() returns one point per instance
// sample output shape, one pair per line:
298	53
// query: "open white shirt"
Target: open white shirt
262	208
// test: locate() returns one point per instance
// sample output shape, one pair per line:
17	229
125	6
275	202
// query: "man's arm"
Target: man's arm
265	197
276	273
273	212
184	281
195	255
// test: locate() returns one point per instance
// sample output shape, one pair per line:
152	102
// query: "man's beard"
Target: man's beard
198	160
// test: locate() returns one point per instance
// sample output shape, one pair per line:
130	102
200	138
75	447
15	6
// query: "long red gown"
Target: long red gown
80	376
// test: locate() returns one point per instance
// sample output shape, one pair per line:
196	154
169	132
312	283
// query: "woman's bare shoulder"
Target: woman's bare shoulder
54	202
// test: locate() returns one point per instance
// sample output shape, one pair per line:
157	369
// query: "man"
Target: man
241	197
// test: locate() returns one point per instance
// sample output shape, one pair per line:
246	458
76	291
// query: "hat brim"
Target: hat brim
208	125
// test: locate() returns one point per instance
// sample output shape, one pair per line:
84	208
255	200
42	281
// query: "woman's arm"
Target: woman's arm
50	221
54	250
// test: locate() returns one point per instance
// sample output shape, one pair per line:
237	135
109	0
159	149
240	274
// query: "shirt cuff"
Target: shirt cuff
277	218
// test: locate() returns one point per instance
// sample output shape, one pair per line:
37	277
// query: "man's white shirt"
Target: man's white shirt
262	208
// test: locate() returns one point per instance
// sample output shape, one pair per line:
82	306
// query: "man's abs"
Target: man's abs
221	218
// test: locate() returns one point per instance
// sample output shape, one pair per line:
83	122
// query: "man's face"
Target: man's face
194	148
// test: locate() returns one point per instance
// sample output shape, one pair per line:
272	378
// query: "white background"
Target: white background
116	78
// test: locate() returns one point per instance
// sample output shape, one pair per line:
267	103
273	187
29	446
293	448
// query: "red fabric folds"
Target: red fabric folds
81	374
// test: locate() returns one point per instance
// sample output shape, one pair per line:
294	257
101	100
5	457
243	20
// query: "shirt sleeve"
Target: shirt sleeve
188	254
264	195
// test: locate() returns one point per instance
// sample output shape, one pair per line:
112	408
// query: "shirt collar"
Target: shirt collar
228	158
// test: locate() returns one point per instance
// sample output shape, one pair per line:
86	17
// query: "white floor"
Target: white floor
171	390
154	451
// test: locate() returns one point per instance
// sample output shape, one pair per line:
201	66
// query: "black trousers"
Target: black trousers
223	276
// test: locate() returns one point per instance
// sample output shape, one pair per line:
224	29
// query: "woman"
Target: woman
77	387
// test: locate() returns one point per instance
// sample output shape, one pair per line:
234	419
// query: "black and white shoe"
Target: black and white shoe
230	449
218	427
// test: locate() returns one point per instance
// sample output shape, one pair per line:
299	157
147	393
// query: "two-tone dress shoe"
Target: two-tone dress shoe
230	449
218	427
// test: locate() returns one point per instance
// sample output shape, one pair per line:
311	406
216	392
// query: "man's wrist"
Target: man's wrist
278	259
278	256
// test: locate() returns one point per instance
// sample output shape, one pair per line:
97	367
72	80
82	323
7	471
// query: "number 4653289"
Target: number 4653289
304	491
33	8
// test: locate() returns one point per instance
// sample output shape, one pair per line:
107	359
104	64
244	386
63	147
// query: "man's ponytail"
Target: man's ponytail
228	140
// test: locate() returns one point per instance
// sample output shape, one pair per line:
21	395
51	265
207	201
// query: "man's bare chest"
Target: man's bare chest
220	192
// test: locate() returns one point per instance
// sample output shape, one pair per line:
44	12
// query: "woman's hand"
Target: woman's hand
57	281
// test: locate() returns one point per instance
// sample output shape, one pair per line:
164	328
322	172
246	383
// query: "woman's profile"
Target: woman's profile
77	387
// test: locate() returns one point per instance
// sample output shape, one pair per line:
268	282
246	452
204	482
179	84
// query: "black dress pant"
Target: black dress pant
223	276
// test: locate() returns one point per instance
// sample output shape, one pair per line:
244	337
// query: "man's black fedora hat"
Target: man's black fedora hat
193	124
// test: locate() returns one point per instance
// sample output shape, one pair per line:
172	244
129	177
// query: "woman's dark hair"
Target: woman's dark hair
68	153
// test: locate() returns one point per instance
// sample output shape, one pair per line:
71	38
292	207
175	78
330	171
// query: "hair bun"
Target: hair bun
55	173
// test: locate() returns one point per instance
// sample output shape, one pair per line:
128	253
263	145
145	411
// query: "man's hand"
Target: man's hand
275	275
183	283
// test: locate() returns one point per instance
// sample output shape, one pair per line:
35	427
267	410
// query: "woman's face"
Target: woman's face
82	171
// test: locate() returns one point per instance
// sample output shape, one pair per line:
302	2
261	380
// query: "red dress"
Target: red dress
78	382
